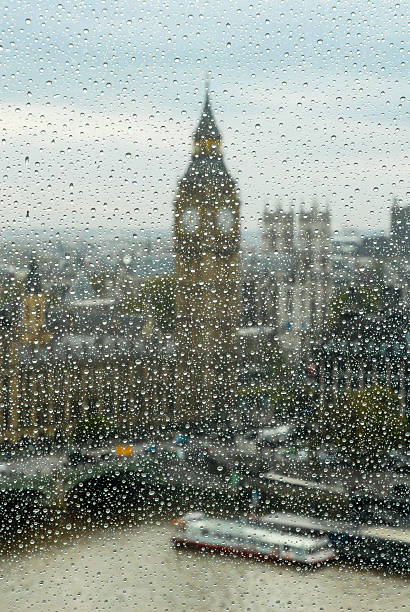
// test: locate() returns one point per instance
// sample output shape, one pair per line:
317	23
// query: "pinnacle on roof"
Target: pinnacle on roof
207	128
33	280
207	164
81	289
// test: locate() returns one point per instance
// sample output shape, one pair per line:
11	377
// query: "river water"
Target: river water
130	565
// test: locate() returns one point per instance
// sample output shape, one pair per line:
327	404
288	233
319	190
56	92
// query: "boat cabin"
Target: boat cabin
245	539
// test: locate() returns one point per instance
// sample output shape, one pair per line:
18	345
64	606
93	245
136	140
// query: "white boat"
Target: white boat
245	539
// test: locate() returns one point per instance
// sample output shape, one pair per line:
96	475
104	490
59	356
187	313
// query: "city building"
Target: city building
61	367
366	348
82	356
375	259
287	286
206	244
400	228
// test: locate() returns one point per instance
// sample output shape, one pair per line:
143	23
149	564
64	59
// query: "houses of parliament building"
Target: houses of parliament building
59	368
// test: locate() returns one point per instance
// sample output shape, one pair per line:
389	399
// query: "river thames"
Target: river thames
131	565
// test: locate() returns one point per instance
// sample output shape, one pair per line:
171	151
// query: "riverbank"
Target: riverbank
128	562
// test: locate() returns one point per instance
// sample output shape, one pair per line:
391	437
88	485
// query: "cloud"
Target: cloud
42	125
340	138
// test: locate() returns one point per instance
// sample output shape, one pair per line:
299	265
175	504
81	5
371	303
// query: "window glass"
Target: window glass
204	304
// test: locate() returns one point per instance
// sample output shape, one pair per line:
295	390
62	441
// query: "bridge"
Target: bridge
51	479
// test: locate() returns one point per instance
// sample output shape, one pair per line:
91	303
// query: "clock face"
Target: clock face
225	220
190	220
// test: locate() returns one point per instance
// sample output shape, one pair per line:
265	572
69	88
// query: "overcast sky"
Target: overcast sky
99	101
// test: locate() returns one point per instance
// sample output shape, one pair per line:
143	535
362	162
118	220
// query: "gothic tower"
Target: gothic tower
278	232
33	325
315	265
400	228
206	242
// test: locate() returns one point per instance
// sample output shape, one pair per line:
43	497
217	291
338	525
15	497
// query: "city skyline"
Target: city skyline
204	304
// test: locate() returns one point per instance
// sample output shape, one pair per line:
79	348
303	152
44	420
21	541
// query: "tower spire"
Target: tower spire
33	309
206	240
207	136
207	82
207	159
33	281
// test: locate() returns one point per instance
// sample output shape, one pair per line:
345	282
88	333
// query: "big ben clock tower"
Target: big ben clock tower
206	239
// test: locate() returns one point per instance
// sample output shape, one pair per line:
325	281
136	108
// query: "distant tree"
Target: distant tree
98	283
362	300
11	291
283	402
95	428
289	393
155	296
368	422
131	303
158	296
54	300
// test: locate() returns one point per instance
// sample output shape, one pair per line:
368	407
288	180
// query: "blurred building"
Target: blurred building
287	286
362	349
400	229
377	259
206	243
59	367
